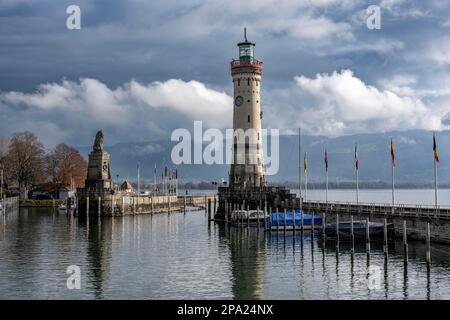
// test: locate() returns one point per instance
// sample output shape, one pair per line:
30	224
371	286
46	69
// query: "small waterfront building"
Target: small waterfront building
126	187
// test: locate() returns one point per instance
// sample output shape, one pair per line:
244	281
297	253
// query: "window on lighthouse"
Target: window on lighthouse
248	81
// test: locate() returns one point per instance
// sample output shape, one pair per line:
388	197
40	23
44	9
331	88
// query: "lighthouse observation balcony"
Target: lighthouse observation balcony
246	63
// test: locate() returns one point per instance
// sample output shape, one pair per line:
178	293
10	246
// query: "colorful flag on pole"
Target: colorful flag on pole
326	160
304	164
392	153
176	173
165	171
356	157
436	156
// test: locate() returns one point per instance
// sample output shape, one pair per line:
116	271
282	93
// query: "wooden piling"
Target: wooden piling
248	216
257	219
209	210
312	222
293	221
215	205
405	240
278	220
385	236
285	220
226	212
428	246
337	231
352	233
87	207
184	205
99	206
301	220
367	236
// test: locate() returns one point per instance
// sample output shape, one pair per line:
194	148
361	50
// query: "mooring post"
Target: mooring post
367	235
226	211
428	246
265	216
301	219
405	240
123	205
215	205
184	206
241	214
53	205
293	221
87	207
284	220
385	236
257	217
209	210
278	220
99	205
270	218
352	233
324	222
169	208
312	222
337	231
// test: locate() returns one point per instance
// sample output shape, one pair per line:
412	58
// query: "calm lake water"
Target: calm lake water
181	256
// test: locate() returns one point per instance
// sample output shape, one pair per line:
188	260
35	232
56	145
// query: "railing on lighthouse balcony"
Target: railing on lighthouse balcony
236	63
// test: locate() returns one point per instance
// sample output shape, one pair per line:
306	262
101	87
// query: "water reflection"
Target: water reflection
185	256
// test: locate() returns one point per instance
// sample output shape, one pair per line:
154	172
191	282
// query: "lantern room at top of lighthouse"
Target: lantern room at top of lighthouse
246	55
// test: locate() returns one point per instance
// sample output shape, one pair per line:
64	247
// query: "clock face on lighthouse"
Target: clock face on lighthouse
238	101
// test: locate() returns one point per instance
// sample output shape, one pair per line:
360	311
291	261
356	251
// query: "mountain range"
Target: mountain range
413	152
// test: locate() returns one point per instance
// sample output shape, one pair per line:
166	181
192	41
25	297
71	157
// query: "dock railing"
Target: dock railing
384	209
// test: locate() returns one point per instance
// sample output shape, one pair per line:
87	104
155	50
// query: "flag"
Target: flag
165	171
326	160
356	157
304	164
392	153
155	169
176	173
436	156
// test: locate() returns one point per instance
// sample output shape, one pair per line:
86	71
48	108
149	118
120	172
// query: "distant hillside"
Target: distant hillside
413	152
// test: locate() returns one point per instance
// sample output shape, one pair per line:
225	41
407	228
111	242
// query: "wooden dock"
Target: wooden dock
377	209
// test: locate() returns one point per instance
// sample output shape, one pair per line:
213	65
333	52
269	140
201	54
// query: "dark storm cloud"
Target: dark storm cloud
405	64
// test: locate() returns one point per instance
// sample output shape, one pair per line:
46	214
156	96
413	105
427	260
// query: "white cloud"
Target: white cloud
71	110
340	103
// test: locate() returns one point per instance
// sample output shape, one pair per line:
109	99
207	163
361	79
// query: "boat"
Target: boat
253	216
308	220
376	231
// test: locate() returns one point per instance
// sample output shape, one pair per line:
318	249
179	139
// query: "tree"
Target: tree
24	161
66	167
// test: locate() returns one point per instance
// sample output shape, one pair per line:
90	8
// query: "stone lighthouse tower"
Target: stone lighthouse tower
247	165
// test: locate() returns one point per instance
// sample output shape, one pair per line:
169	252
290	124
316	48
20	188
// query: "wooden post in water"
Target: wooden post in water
53	205
385	236
123	205
270	218
293	221
257	217
209	210
324	222
367	235
151	204
184	206
278	220
405	240
99	206
226	211
428	246
87	207
301	218
248	216
284	220
352	233
337	231
242	215
215	206
169	208
312	222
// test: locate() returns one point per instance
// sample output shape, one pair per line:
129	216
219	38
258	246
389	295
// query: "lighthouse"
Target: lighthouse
247	162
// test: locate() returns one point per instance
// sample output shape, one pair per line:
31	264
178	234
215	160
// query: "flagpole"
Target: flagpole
435	159
435	185
138	182
154	180
306	178
393	185
326	176
299	164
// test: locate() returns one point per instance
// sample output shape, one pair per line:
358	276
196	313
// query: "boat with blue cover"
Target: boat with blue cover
376	231
308	220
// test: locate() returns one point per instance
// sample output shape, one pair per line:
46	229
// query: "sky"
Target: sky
139	69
